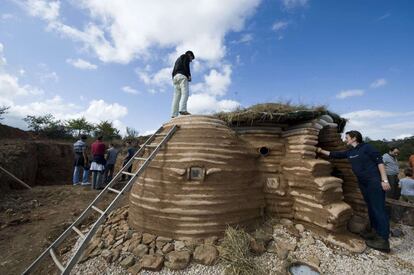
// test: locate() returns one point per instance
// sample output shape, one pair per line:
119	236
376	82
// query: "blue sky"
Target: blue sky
112	60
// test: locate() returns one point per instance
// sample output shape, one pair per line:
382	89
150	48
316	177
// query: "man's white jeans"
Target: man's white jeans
180	94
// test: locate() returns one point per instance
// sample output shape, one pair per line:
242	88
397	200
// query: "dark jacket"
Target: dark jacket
364	160
182	66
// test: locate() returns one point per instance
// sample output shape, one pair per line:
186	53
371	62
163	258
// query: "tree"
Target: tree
81	125
39	123
48	125
131	133
107	130
3	110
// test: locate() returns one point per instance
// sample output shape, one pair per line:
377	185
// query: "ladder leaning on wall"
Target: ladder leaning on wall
85	238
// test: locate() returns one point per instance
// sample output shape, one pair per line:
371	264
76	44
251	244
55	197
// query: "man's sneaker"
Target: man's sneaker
78	183
86	183
368	234
379	244
185	113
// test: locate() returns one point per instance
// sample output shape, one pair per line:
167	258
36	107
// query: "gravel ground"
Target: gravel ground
331	260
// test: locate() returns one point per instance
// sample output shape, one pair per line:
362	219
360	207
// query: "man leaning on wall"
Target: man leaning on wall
368	167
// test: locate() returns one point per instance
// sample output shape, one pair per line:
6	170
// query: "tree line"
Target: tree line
55	128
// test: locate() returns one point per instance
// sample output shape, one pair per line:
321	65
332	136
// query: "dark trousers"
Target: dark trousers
109	172
395	191
374	197
128	170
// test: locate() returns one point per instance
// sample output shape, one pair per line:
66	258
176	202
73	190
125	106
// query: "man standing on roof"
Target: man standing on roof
368	167
181	76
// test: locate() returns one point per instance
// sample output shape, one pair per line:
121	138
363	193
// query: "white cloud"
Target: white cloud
47	10
208	104
108	31
149	132
130	90
368	114
215	83
292	4
99	110
10	89
280	25
378	83
3	60
350	93
81	64
380	124
246	38
161	78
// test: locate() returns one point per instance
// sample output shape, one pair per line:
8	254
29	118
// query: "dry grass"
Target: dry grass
235	254
276	113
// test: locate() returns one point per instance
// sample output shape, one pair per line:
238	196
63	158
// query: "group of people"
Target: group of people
378	178
401	189
102	163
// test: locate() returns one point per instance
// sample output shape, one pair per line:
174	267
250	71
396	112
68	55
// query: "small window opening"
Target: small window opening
196	173
264	151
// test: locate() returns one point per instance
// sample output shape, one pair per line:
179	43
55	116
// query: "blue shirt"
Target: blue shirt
407	186
364	159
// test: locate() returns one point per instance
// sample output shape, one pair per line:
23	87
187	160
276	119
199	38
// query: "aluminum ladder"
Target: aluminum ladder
65	269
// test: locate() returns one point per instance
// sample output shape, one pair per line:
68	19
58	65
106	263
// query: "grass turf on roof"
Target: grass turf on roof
277	113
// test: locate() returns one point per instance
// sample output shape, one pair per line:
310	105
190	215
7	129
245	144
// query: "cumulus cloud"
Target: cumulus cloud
11	88
81	64
47	10
215	83
350	93
161	78
108	31
208	104
379	124
130	90
378	83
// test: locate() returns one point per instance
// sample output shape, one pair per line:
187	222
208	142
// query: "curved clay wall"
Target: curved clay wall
203	180
268	138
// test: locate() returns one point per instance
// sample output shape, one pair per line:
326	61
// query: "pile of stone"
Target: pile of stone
118	244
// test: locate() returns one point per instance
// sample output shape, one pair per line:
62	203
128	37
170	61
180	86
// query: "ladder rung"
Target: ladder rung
97	209
160	135
114	190
56	260
152	145
138	158
128	173
78	231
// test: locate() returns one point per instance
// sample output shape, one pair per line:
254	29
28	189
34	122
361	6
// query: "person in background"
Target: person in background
131	150
111	156
98	163
81	161
369	169
407	186
411	161
393	169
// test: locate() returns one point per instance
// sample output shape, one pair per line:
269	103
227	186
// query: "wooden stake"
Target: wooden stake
15	178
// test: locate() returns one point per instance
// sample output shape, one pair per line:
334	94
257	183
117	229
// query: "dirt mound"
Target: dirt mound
8	132
35	162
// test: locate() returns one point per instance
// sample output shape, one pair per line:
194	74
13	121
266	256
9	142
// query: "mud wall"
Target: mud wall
35	162
269	149
201	182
